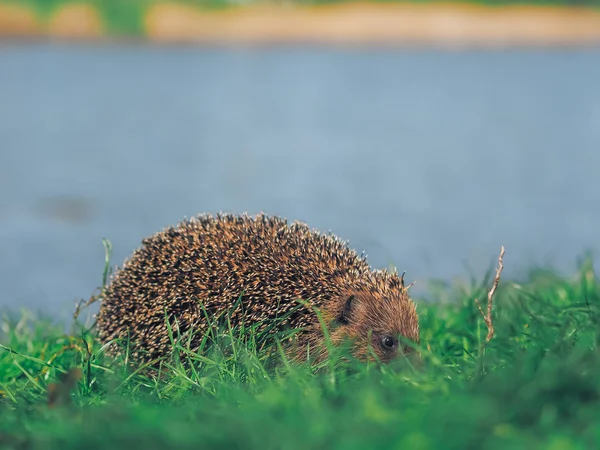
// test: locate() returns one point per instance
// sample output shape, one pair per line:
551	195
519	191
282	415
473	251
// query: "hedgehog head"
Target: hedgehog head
377	320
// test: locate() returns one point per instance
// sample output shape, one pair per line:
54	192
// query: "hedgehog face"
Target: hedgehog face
377	325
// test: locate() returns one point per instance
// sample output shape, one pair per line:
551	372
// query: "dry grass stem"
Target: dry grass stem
488	317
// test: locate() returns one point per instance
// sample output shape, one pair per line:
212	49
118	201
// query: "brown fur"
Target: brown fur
210	261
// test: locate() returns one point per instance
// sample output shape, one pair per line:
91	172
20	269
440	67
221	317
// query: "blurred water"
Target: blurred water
429	160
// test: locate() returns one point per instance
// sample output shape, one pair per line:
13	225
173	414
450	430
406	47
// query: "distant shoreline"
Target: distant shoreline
443	24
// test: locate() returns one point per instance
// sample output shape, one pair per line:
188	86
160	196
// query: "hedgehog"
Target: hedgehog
282	274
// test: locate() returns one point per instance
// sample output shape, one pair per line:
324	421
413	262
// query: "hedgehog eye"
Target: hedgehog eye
388	342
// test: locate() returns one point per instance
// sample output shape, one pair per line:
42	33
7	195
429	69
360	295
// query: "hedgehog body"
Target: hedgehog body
210	265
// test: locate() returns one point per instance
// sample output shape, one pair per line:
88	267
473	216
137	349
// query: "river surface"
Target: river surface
428	160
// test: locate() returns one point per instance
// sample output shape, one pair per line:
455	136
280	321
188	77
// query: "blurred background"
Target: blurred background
426	134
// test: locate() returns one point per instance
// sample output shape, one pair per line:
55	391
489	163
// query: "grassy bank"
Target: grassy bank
115	8
535	385
498	24
93	18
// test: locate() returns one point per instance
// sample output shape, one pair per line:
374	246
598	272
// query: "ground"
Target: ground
348	23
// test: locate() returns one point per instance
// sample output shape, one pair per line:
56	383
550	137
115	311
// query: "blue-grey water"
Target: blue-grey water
428	160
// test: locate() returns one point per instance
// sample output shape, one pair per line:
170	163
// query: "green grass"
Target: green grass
535	385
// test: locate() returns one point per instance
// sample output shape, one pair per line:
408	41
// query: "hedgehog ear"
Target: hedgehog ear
344	317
